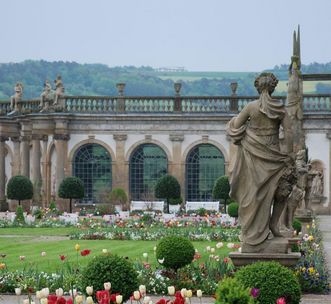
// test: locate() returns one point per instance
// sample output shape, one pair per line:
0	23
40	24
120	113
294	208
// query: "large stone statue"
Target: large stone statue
317	184
16	98
261	176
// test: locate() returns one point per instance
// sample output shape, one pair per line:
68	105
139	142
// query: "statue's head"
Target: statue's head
266	81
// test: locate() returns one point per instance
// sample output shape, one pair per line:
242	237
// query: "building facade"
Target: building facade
129	142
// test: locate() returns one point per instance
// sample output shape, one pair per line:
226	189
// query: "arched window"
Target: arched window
92	164
147	164
204	164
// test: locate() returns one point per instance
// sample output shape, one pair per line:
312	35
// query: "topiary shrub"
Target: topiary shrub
114	269
19	218
233	209
273	280
167	187
19	188
174	252
71	187
231	291
221	189
296	225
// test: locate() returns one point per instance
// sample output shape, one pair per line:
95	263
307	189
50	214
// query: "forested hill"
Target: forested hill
99	79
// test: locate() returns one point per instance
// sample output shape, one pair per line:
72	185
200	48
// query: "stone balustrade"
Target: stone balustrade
163	104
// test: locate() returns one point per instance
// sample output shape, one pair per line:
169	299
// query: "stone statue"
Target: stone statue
261	176
59	89
46	97
317	184
16	98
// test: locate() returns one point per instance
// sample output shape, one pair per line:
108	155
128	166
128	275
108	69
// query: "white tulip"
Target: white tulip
39	295
142	289
79	299
208	248
59	292
136	295
89	300
44	301
161	261
18	291
183	292
73	292
212	250
43	254
219	245
147	300
199	293
107	285
119	299
171	290
45	292
89	290
145	255
104	251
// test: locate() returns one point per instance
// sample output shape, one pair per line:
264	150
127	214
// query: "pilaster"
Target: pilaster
3	203
120	165
177	167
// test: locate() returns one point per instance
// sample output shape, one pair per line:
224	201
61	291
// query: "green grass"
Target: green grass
30	242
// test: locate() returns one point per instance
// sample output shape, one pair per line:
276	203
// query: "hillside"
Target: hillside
99	79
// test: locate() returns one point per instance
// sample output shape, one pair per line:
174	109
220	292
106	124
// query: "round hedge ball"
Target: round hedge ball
273	280
174	252
114	269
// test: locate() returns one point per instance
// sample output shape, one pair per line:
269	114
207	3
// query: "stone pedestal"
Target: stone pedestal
3	203
305	220
286	259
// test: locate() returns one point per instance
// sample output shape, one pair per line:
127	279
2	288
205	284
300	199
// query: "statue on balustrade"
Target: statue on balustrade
15	99
59	89
46	97
261	175
317	184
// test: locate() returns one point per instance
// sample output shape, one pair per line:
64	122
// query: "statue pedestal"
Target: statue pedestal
276	249
286	259
305	220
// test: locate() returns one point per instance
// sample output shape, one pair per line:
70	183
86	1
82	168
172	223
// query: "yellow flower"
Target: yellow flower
311	269
308	226
303	269
310	238
2	265
77	247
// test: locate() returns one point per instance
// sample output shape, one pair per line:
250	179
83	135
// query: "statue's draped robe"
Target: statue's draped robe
257	166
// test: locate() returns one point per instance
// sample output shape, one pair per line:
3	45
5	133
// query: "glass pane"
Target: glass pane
147	164
204	164
92	164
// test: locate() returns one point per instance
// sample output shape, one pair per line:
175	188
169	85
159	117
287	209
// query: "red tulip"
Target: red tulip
281	301
62	257
85	252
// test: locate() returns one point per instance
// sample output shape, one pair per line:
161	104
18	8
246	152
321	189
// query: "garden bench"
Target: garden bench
198	205
147	205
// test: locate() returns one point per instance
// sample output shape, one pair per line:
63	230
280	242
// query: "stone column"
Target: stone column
44	170
176	167
35	170
120	170
25	152
3	203
60	148
16	165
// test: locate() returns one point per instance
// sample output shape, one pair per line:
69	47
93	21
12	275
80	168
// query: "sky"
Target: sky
200	35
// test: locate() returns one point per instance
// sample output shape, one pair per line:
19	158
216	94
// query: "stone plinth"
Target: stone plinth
305	220
286	259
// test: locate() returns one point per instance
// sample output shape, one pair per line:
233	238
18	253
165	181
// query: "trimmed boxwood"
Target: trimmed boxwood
233	209
71	187
273	280
114	269
167	187
19	188
230	291
174	252
221	189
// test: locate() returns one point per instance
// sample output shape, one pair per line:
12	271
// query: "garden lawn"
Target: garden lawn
60	231
30	246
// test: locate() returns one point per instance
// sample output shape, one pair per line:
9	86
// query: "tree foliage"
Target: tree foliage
221	188
19	188
71	187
